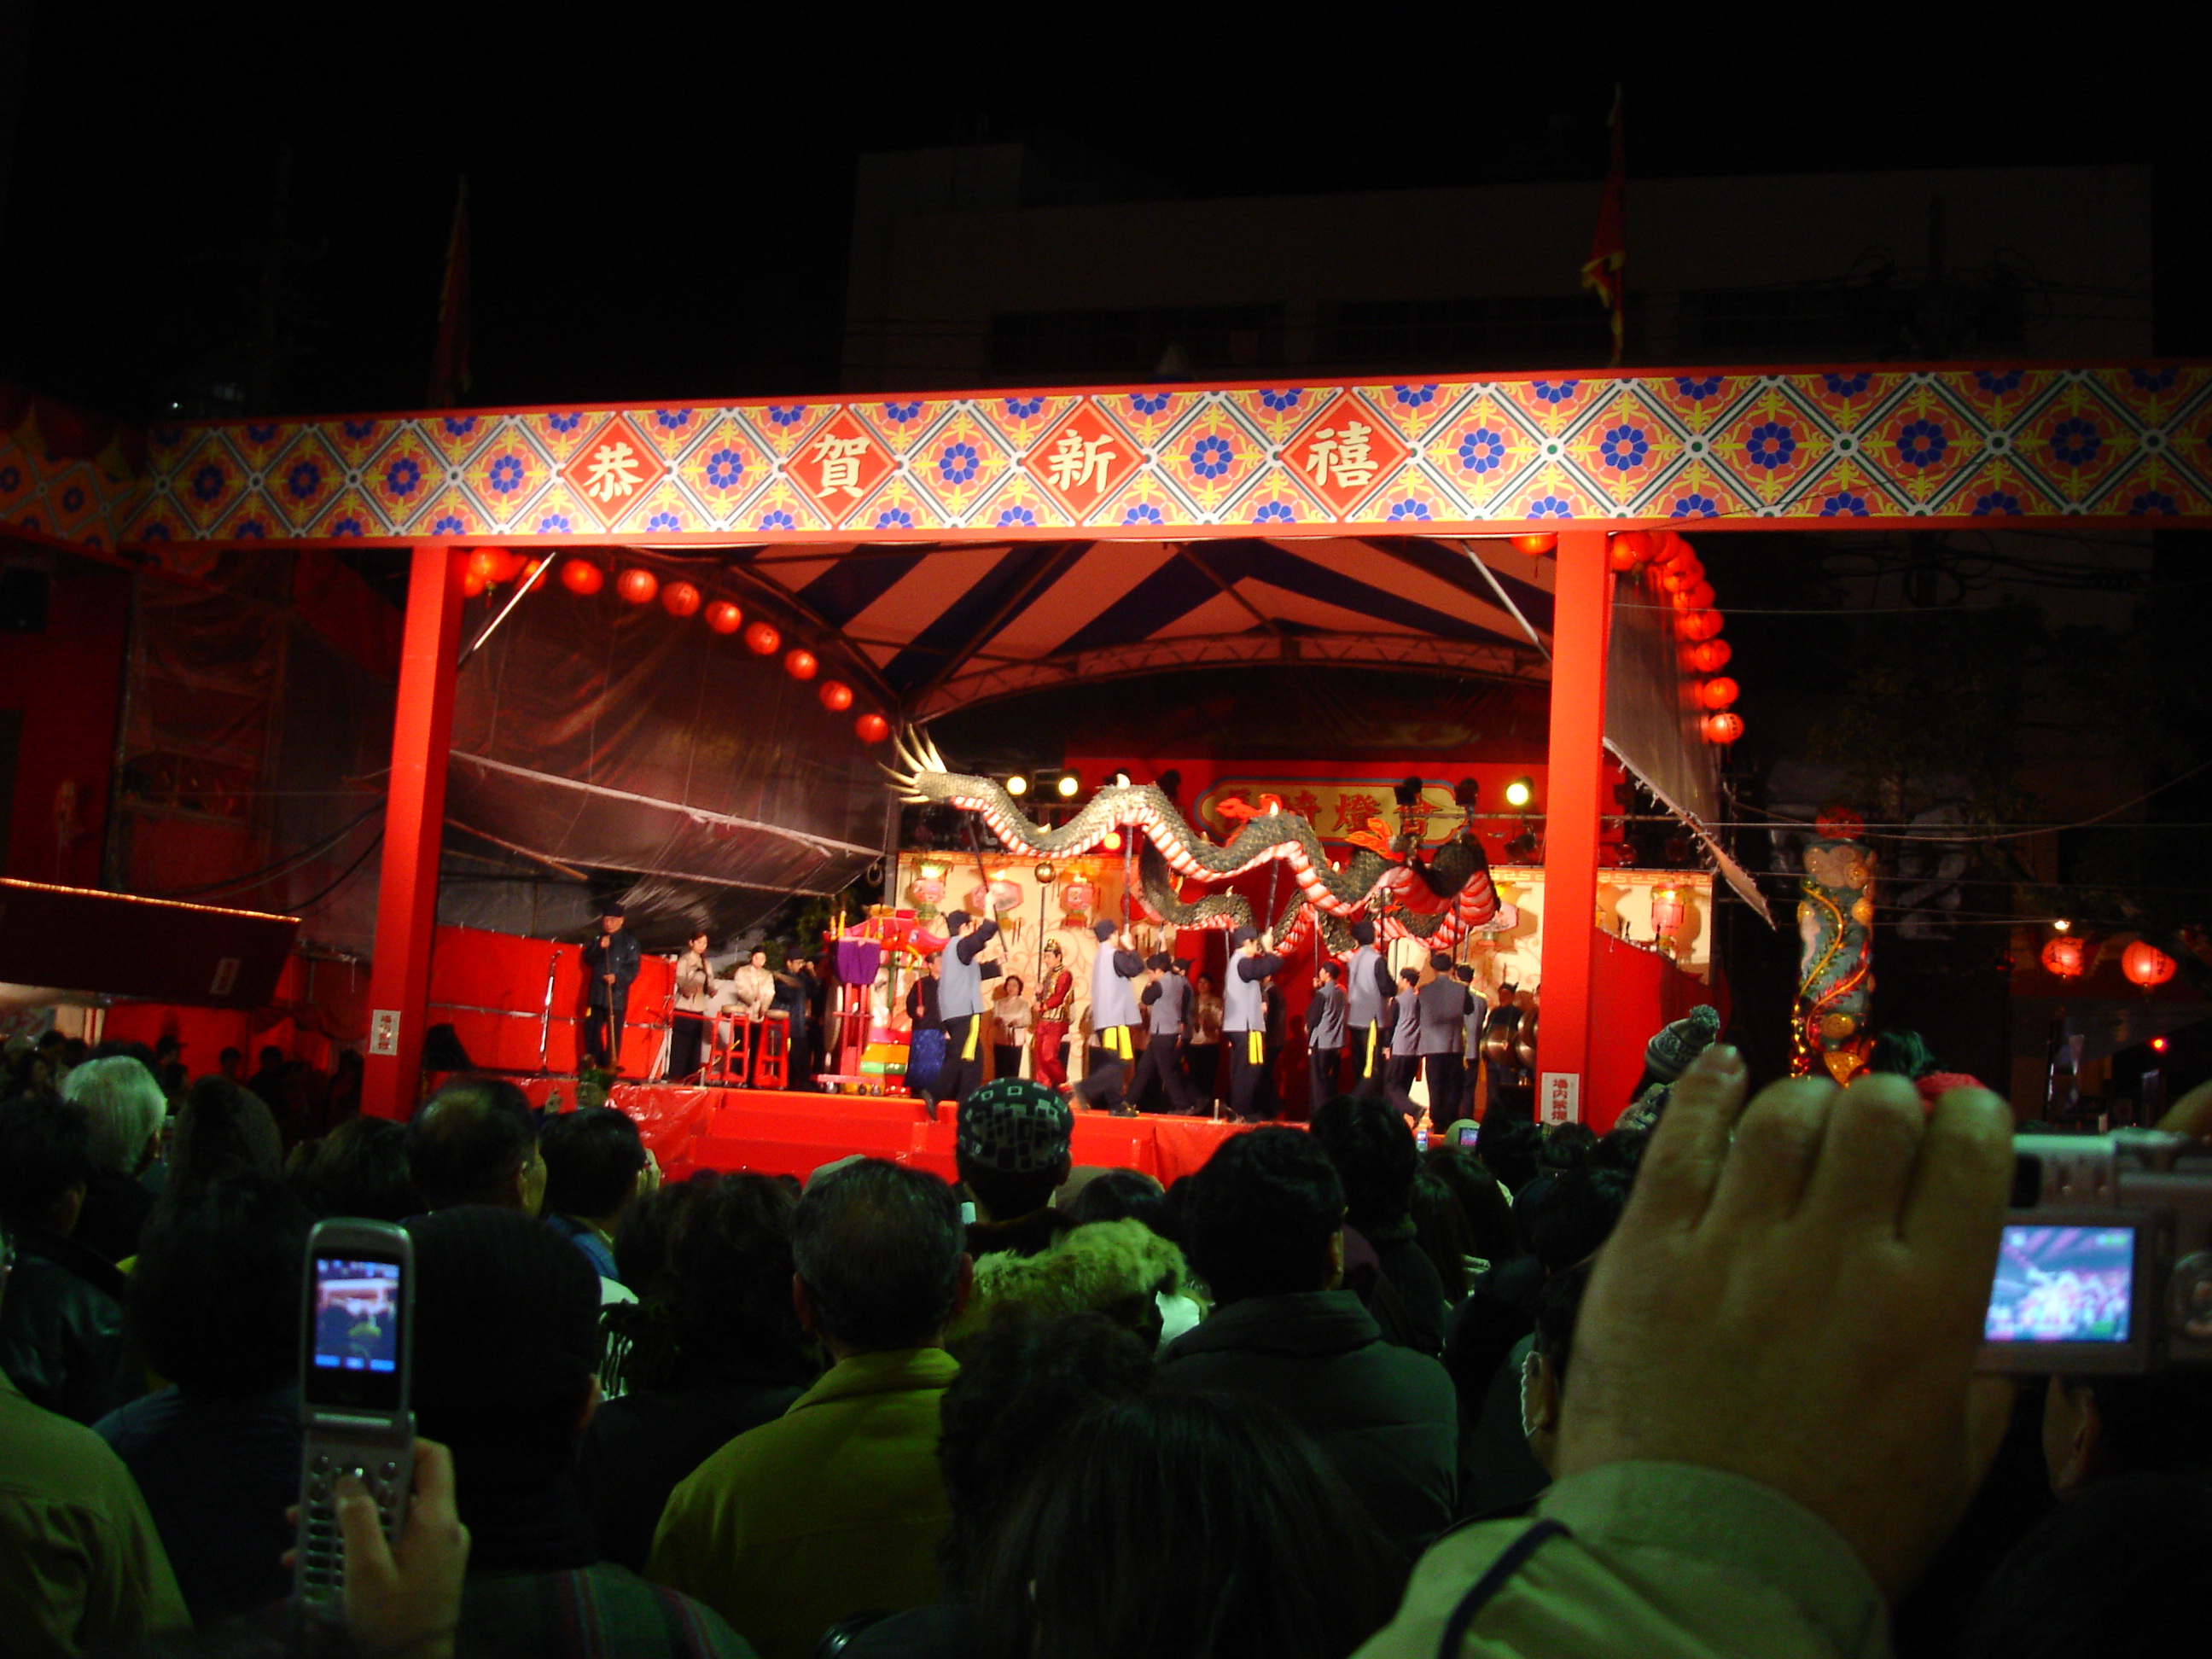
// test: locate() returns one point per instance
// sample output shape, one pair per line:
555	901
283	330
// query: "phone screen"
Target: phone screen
354	1336
2062	1284
1467	1135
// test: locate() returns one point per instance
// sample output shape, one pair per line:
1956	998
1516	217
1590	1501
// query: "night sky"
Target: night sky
660	196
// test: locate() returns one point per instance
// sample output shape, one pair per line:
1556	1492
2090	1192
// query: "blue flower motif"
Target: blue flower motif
555	524
403	477
1843	504
1287	398
2075	442
671	420
786	414
1922	443
663	521
252	530
1018	515
1023	408
259	432
2153	501
348	527
1148	402
302	480
899	414
1550	506
506	475
449	524
11	479
1413	397
1696	506
565	422
1143	513
358	429
1770	445
958	462
459	426
1275	513
724	467
894	518
1481	451
1211	455
1555	391
1409	509
207	482
72	498
778	519
156	532
1697	391
1995	503
1998	380
1625	448
2155	380
1845	386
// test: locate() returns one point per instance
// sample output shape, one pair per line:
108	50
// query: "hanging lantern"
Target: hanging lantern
1718	693
1699	624
979	899
506	563
763	640
836	695
1629	548
1672	549
636	585
2146	964
530	568
723	616
1665	910
1682	573
1077	898
582	578
1709	656
871	727
679	598
2065	957
1724	728
484	564
1535	545
1006	896
1698	596
799	664
473	580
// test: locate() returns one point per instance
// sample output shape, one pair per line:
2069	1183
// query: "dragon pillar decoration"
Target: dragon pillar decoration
1835	925
1435	901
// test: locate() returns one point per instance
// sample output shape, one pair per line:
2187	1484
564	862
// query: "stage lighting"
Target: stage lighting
1113	842
2061	924
1069	783
1120	780
1017	785
1520	792
2158	1045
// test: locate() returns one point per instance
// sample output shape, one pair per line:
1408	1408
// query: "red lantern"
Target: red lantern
1724	727
582	578
636	585
680	599
1630	548
483	565
1673	549
1535	545
530	568
472	581
1699	624
2146	964
723	616
1680	574
1717	694
799	664
2064	957
836	697
871	727
763	640
506	563
1077	898
1698	596
1709	656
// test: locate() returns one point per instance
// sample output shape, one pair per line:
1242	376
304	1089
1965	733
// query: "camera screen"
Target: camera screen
352	1342
2062	1284
1467	1135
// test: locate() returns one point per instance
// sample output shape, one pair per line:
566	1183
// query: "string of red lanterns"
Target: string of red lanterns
1670	566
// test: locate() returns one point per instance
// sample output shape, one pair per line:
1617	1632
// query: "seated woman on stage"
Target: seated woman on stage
1010	1023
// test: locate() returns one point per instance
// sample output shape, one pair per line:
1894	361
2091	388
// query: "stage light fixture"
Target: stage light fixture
2061	924
1113	842
1520	792
2158	1045
1120	780
1017	785
1069	784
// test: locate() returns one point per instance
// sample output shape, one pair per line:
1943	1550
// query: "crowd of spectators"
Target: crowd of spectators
1701	1386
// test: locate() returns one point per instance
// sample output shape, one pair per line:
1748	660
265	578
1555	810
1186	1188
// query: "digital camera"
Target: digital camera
2106	1262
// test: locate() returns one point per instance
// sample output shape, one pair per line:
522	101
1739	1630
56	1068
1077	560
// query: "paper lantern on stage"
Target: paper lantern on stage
582	578
1699	624
800	663
1077	898
724	617
763	640
979	899
679	598
2065	957
473	580
1672	550
2146	964
836	695
1724	728
1005	896
638	586
1709	656
1666	911
1718	693
871	727
1629	548
1535	545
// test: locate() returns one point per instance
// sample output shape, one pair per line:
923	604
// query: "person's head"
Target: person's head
1508	1150
1331	973
1443	1232
1011	1149
594	1158
214	1301
473	1142
222	1128
697	942
1492	1236
45	1159
1440	964
935	963
1409	977
125	1104
1363	931
1101	930
1121	1195
2095	1427
1372	1147
1205	984
167	1047
507	1346
360	1169
717	1288
758	957
1544	1372
1265	1217
1156	963
1566	1146
1024	1380
1464	973
611	917
1618	1149
231	1062
1905	1053
1052	954
1567	1216
1679	1042
879	1258
1013	985
1176	1524
957	924
1506	993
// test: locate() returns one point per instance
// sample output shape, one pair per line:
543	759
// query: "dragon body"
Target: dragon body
1835	926
1437	900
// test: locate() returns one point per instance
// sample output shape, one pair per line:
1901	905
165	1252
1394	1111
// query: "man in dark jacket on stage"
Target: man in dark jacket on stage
1444	1005
1167	1002
610	959
1324	1036
960	974
1367	992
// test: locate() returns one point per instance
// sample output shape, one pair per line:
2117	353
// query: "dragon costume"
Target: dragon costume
1385	878
1835	928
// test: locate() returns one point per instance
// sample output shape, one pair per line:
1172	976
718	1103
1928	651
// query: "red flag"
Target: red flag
449	362
1601	271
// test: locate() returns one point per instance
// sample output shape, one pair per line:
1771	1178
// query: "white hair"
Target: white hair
126	1107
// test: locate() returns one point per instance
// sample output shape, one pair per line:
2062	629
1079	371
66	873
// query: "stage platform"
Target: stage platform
777	1133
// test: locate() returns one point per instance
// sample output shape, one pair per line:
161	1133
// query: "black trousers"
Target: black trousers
1321	1067
687	1035
1368	1077
1105	1073
1248	1090
1446	1075
1201	1064
1398	1082
1161	1061
1005	1060
603	1024
961	1074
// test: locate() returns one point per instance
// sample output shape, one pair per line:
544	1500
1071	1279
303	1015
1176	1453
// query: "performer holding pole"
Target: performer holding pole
1114	969
1324	1035
1055	991
960	977
611	963
1367	992
1167	1003
1244	1016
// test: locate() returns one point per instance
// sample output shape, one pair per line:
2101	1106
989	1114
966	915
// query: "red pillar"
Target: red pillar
414	827
1574	781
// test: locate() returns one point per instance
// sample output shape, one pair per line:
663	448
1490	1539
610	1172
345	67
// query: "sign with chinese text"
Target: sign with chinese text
613	469
840	466
1343	451
1559	1097
1083	459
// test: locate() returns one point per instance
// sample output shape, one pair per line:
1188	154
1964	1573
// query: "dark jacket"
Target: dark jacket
1416	1319
61	1329
610	953
1384	1416
114	1214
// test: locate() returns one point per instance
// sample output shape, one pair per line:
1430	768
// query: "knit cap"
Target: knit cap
1014	1126
1680	1044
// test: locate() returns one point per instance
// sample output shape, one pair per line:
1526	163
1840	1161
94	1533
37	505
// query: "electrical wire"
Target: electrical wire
344	876
283	866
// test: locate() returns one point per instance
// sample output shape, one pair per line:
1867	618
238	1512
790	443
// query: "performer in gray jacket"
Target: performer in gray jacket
1166	999
1478	1011
1367	990
1325	1026
1405	1042
960	1006
1114	968
1244	1018
1444	1004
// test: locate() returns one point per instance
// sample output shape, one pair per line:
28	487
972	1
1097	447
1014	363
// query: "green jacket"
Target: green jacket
833	1509
1659	1560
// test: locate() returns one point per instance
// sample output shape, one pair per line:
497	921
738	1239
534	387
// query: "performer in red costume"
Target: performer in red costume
1055	990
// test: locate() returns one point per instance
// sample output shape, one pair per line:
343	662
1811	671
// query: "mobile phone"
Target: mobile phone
1469	1133
356	1350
